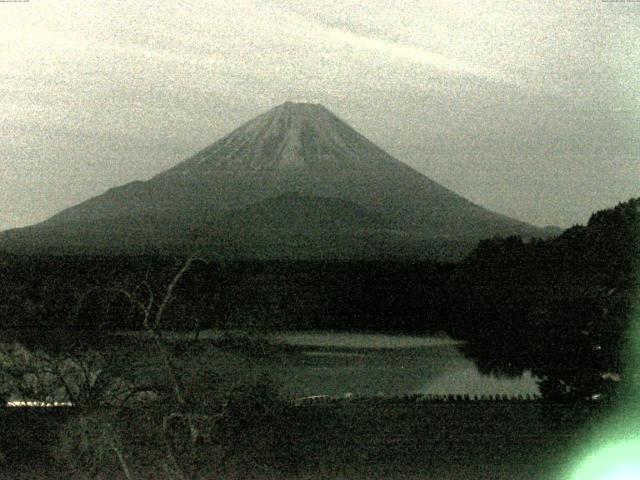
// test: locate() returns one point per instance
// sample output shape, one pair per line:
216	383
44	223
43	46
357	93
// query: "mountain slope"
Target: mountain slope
299	148
303	227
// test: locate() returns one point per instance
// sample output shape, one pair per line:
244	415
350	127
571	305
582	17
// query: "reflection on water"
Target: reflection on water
463	377
360	340
333	355
338	364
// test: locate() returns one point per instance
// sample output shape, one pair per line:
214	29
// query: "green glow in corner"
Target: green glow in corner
617	462
614	451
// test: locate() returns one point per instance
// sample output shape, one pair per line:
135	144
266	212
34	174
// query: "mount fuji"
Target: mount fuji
294	182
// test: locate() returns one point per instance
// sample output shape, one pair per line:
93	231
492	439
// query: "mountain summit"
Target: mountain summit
294	154
290	137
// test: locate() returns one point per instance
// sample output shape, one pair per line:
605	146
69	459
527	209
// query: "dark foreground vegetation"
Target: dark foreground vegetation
348	439
562	308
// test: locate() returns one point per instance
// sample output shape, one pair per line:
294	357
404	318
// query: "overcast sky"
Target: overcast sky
529	108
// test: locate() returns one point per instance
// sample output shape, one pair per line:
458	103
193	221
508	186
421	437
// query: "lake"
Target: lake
339	364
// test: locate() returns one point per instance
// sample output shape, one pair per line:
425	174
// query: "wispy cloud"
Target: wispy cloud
376	41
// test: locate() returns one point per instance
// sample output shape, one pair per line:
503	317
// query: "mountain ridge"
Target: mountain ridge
292	148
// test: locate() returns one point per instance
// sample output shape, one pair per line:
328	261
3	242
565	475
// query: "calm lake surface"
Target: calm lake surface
338	364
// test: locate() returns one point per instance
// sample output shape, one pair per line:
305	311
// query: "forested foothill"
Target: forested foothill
563	308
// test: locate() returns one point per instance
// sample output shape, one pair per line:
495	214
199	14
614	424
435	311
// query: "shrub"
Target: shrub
256	428
89	444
